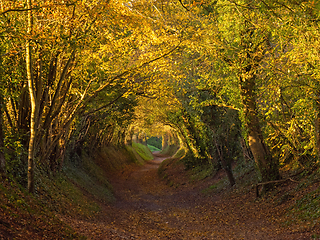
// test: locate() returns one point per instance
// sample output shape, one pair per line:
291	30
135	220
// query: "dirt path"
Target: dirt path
147	208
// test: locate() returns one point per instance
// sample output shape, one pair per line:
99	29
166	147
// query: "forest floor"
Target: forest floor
148	206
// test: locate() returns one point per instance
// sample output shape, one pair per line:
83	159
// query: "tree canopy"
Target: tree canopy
218	76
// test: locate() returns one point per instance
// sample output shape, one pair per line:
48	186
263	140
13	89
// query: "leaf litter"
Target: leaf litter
147	207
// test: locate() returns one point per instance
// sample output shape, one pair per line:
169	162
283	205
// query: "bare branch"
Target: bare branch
183	5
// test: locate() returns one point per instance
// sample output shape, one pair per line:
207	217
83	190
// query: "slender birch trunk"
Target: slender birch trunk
31	165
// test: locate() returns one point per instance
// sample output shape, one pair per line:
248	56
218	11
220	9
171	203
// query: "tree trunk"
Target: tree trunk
267	166
2	158
252	44
129	136
165	141
317	125
226	167
31	184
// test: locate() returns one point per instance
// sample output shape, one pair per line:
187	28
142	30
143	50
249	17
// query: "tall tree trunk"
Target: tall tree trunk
252	44
267	166
2	158
31	184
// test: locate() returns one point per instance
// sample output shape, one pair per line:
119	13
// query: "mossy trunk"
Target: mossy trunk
267	166
252	45
2	158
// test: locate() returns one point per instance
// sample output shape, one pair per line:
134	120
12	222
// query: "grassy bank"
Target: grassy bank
73	192
143	151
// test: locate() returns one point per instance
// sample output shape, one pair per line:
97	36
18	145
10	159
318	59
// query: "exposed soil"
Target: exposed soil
147	207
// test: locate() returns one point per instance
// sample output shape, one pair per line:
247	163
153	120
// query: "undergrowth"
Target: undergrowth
203	171
73	192
25	216
90	178
170	150
305	211
63	196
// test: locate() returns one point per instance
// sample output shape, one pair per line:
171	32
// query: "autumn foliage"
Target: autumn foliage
222	83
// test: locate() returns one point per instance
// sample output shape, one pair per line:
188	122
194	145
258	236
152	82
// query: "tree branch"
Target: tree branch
131	70
271	182
35	8
183	5
106	105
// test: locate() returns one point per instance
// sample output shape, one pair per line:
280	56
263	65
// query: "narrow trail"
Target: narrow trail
147	208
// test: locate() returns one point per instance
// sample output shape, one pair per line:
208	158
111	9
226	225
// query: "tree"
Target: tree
82	60
33	102
251	53
2	157
242	48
